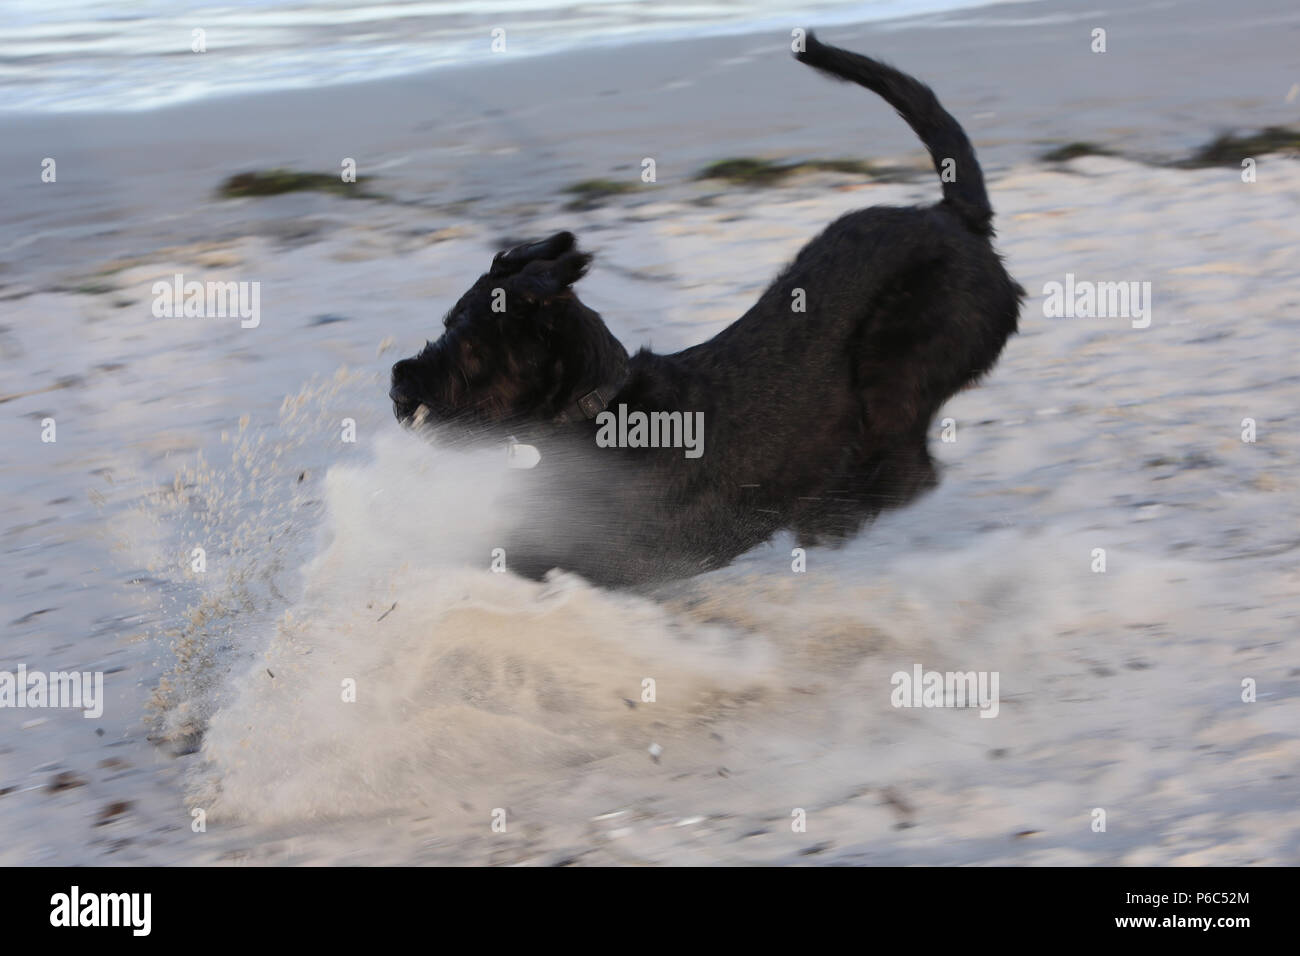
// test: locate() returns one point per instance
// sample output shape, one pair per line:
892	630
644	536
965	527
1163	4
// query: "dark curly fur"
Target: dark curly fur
814	421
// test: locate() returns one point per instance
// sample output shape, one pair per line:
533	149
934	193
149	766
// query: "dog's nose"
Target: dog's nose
404	406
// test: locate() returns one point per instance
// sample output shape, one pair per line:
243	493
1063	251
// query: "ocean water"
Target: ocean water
107	55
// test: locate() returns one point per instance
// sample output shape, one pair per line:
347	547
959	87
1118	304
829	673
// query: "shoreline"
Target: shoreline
749	28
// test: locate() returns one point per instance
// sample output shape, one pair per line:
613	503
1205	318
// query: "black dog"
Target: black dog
813	420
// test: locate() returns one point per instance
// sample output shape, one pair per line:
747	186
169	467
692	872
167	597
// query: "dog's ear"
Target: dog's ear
541	280
510	261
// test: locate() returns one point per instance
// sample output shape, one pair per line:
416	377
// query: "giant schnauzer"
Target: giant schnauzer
812	421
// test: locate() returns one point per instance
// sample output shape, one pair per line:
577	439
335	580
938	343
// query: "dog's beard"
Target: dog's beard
467	428
488	414
518	454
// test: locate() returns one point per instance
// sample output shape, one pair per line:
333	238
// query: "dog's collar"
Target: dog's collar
588	406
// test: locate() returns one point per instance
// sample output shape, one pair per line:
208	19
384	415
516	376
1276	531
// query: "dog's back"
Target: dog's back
819	419
904	307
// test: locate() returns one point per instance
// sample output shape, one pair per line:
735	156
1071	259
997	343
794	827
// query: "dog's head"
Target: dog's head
518	348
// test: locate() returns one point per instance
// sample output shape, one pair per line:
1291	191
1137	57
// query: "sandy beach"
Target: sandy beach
330	560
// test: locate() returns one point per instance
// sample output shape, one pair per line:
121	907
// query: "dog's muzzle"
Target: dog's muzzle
403	405
407	410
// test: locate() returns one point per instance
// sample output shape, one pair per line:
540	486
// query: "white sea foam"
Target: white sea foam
87	55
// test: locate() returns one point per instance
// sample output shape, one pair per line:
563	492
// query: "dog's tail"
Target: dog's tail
952	153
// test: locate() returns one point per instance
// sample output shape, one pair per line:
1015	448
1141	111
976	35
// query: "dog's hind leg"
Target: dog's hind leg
899	475
863	487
